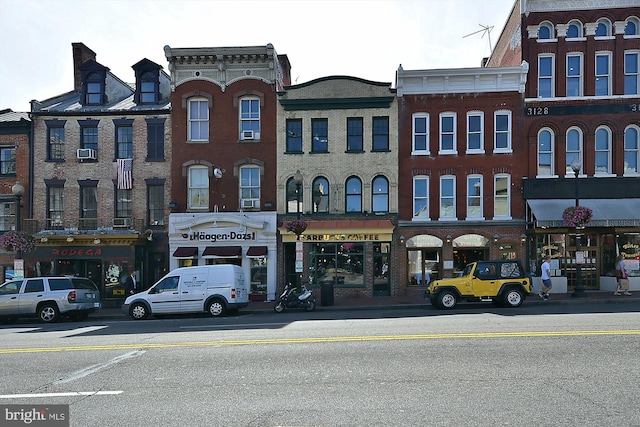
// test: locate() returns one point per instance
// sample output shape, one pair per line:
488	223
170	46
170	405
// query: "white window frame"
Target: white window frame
550	153
200	120
415	133
451	214
200	187
632	76
636	21
571	154
552	35
452	134
250	186
578	78
580	27
249	120
497	196
508	132
631	152
607	75
551	78
425	216
599	150
608	29
475	183
479	132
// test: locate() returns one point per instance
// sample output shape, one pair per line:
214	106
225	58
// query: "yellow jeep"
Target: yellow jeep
502	282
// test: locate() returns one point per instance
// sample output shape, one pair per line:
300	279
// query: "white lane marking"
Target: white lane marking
71	393
241	325
95	368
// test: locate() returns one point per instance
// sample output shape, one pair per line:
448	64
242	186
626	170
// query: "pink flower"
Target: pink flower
17	241
577	216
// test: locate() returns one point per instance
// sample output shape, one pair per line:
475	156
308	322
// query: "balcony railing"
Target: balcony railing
71	225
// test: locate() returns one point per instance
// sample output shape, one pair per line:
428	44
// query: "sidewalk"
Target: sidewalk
414	299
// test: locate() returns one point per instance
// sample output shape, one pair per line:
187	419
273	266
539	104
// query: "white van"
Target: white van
214	289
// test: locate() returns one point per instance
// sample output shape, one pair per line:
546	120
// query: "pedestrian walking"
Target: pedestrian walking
546	278
622	279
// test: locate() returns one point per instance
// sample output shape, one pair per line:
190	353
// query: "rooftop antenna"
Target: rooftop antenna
486	29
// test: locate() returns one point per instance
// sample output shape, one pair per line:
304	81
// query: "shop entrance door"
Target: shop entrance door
589	271
381	279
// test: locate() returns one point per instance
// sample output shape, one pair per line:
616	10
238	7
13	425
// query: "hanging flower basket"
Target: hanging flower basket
577	216
17	241
297	226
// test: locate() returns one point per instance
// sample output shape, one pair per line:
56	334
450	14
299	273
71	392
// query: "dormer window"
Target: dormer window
147	82
93	83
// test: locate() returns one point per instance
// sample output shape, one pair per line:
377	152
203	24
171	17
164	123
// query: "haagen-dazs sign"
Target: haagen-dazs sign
220	235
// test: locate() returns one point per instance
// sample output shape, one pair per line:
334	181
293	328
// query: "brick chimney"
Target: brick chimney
81	54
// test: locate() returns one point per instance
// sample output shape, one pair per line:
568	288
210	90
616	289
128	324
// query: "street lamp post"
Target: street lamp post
18	192
578	290
297	179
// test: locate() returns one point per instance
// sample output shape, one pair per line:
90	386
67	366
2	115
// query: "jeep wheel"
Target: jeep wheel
513	297
447	300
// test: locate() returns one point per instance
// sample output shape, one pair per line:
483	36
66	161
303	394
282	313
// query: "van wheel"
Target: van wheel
48	313
139	311
216	308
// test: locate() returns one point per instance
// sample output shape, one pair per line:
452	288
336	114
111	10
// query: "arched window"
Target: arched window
198	184
545	31
380	194
321	194
631	150
603	150
632	27
354	195
294	196
603	29
546	145
574	30
574	148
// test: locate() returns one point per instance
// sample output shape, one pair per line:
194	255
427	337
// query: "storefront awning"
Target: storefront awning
606	212
257	252
222	252
185	252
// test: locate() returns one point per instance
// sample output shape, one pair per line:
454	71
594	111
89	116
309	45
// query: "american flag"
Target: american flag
125	174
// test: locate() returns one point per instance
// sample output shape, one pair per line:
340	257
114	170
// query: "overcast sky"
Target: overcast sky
361	38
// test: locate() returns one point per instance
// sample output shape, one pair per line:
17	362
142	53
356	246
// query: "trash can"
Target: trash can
326	292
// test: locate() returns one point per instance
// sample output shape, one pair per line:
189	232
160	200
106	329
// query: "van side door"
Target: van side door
164	296
193	285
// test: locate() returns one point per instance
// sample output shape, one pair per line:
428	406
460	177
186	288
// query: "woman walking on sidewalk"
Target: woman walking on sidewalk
622	278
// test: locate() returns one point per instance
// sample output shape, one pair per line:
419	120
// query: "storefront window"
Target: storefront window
629	247
258	276
339	263
423	259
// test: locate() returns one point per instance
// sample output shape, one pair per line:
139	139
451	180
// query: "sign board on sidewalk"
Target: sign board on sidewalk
18	269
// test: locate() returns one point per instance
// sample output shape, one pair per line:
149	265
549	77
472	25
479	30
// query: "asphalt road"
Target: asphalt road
570	365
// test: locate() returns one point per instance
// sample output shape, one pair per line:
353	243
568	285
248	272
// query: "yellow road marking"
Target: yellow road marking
317	340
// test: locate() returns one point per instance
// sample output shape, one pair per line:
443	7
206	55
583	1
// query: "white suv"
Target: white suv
48	298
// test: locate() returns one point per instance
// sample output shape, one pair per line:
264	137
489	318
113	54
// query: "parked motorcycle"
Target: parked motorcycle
291	298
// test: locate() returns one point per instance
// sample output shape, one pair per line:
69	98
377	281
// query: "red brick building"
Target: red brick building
462	158
224	159
582	127
15	149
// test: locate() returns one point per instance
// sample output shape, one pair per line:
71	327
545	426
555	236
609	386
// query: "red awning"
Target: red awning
257	251
222	251
185	252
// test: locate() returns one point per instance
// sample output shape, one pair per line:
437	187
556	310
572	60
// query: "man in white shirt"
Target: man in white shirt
546	278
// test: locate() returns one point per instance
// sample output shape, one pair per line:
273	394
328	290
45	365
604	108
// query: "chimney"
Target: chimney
81	54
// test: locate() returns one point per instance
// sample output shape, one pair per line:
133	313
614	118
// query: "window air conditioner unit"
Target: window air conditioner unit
249	203
247	134
121	222
86	153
